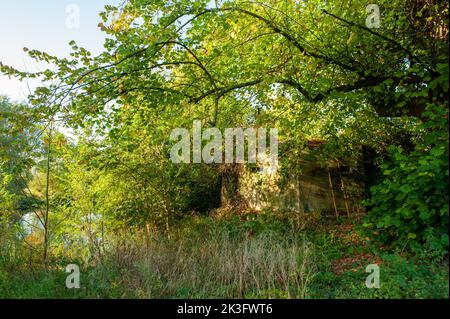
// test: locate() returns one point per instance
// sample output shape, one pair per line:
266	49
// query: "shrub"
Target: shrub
410	205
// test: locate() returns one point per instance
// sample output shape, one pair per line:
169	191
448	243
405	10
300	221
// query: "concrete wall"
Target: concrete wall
305	191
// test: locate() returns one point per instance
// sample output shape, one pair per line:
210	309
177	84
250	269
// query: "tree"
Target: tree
293	64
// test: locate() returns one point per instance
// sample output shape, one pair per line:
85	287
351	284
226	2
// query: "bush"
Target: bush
410	205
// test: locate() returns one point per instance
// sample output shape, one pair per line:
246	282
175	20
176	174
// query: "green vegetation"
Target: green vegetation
86	176
209	258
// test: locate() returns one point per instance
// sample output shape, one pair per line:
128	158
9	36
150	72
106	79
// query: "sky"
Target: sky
47	25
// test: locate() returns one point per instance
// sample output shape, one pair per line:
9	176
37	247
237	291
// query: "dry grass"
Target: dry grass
218	266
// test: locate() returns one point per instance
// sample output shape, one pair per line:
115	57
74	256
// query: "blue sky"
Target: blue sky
41	24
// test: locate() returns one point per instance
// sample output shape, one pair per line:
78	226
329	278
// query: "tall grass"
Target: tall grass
217	259
217	266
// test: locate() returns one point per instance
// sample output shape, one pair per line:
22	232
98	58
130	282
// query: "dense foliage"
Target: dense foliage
86	174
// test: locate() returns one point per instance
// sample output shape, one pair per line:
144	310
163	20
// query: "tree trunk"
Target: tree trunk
47	200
